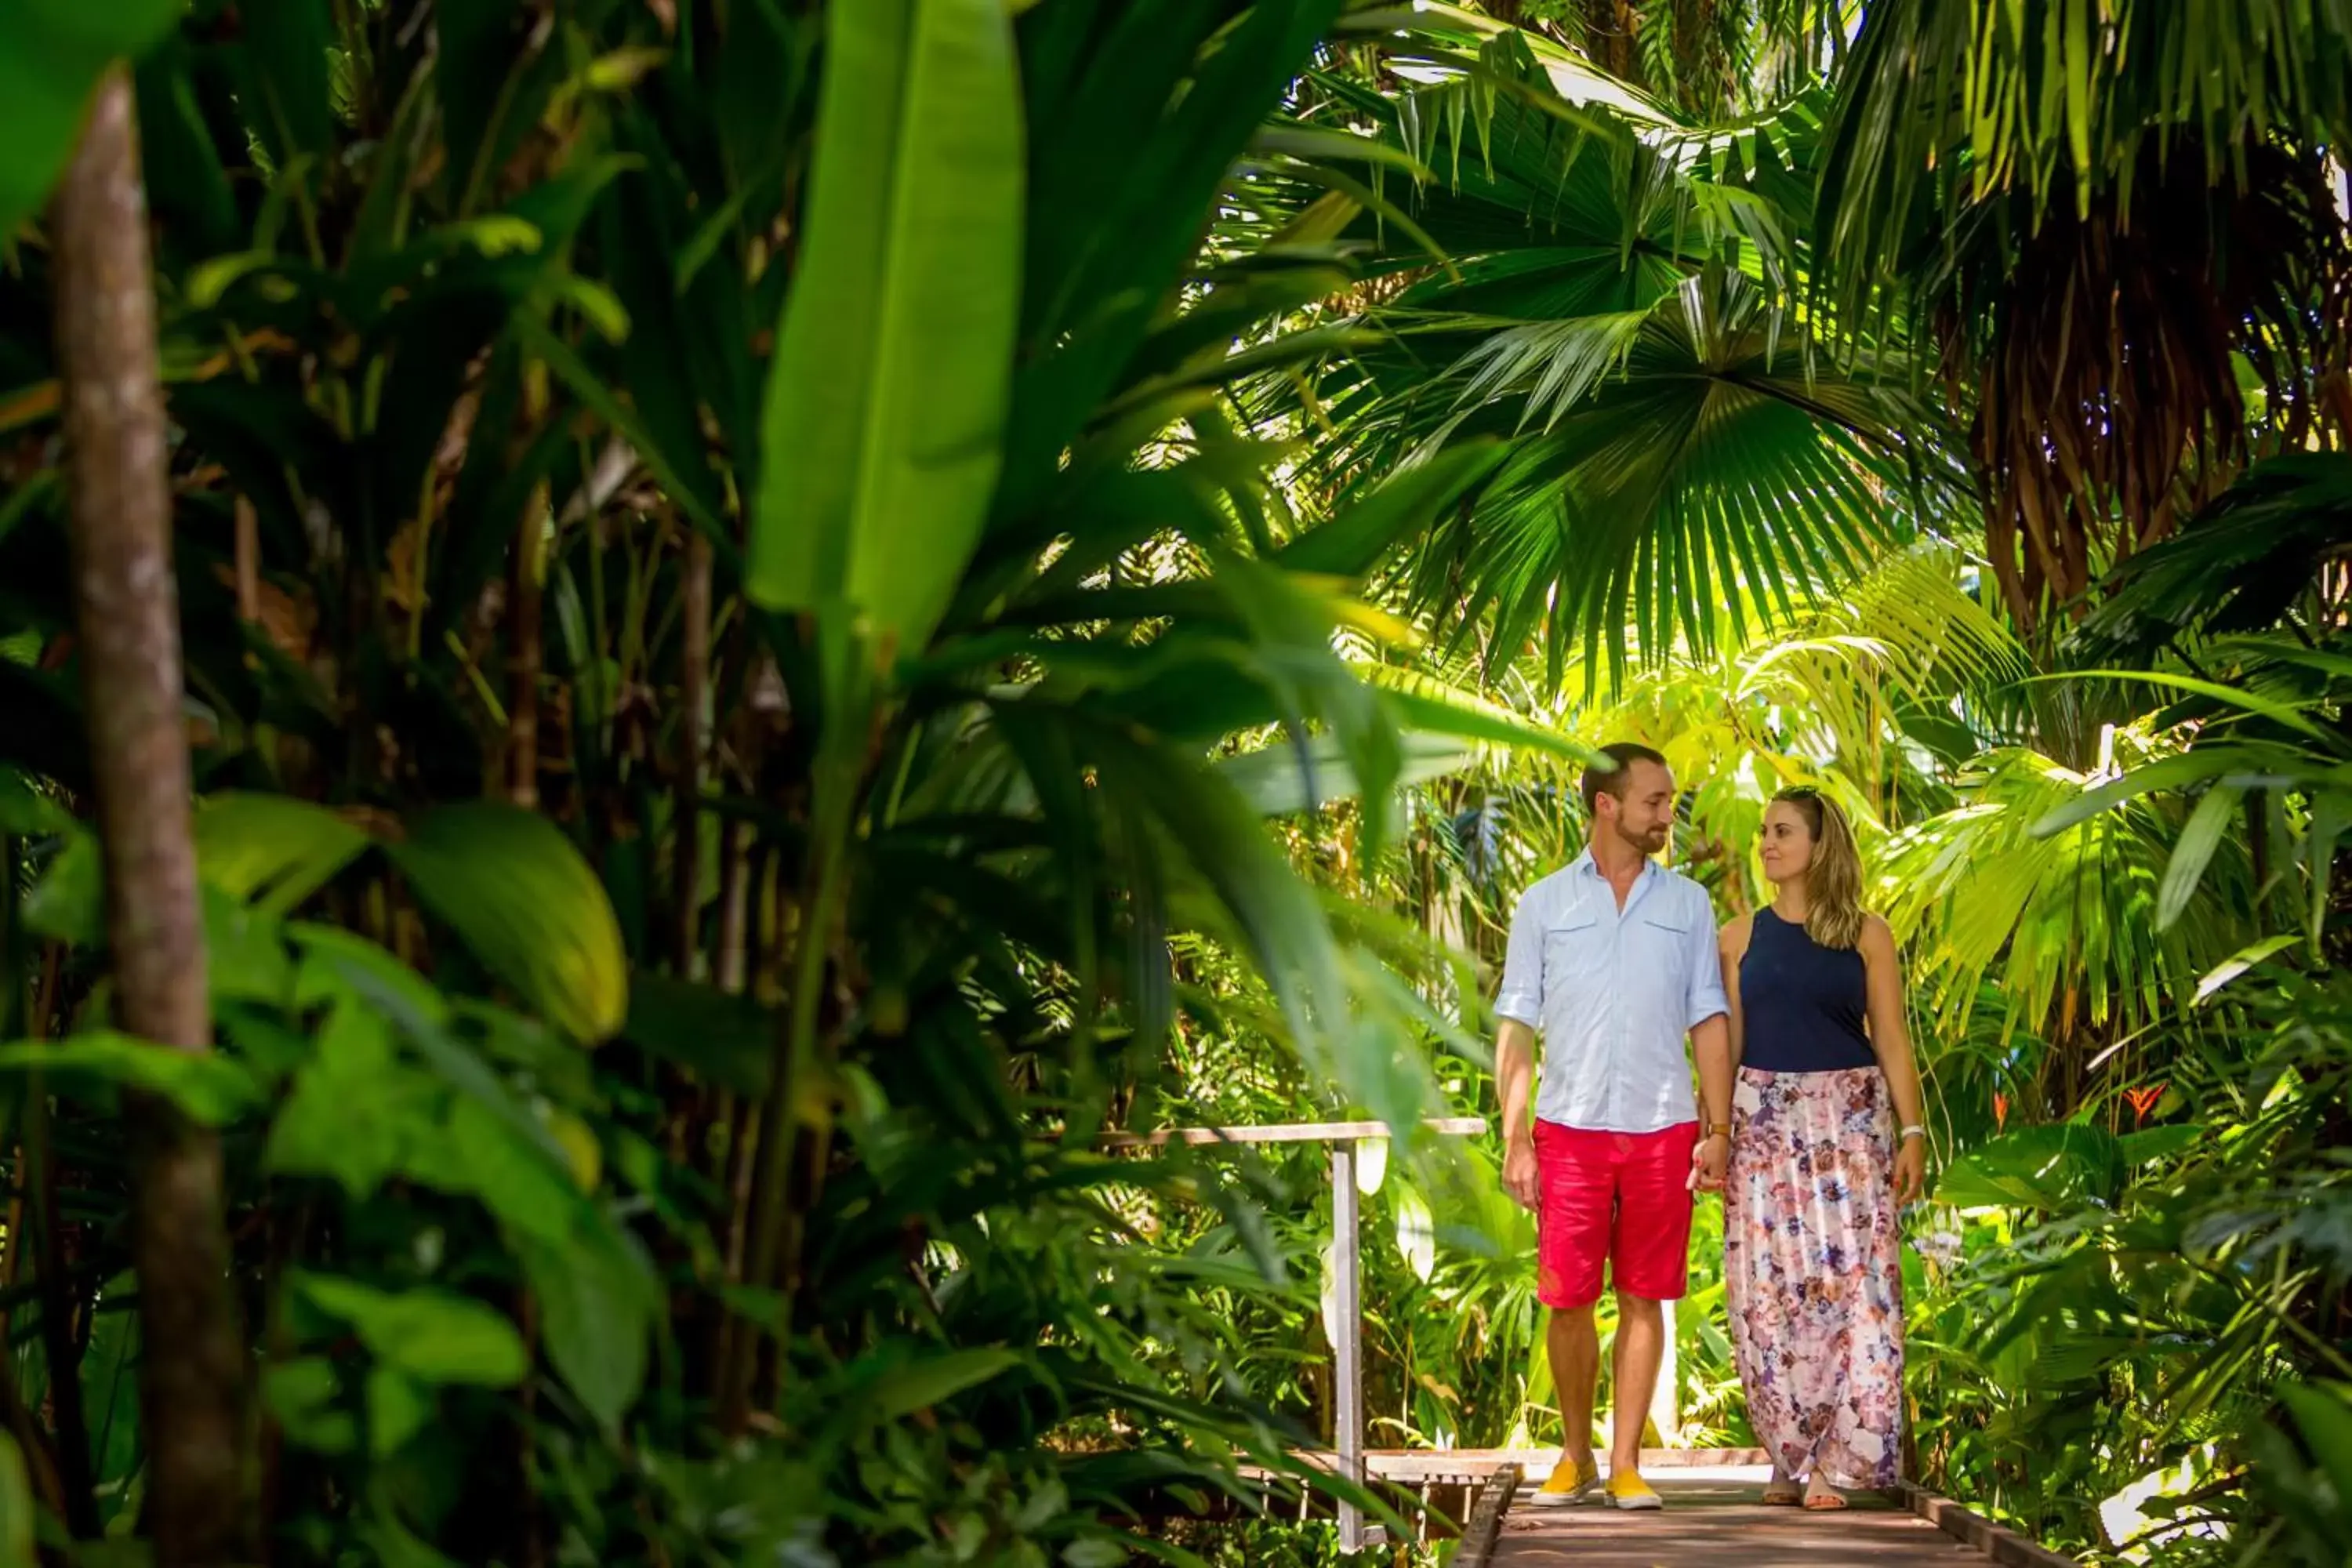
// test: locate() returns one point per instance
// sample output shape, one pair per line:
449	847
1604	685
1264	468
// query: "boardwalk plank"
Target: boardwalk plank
1712	1518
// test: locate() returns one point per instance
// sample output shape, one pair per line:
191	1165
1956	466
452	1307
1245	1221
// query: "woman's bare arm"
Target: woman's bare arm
1890	1033
1731	946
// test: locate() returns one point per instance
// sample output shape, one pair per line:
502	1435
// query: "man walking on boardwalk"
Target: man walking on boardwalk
1612	959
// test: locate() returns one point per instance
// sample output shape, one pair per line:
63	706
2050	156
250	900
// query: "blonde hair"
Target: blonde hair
1834	881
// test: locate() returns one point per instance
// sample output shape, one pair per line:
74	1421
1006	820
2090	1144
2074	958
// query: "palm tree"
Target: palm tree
809	529
1612	300
2108	221
1708	60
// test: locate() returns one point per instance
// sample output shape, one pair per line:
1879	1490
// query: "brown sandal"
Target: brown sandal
1782	1494
1824	1502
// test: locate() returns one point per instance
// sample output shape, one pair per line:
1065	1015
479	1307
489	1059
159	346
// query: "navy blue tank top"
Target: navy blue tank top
1802	1005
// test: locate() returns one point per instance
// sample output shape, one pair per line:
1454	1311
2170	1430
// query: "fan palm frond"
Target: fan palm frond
1676	469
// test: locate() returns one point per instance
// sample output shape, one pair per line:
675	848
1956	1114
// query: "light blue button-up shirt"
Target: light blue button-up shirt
1613	993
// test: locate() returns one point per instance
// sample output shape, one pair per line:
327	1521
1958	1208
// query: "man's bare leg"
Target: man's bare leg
1574	1346
1640	1350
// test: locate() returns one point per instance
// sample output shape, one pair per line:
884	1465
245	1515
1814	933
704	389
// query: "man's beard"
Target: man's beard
1648	842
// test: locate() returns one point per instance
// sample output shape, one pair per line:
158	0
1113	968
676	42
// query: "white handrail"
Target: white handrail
1346	1261
1289	1132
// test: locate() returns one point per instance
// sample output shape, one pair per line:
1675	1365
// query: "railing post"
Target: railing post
1346	1139
1348	1380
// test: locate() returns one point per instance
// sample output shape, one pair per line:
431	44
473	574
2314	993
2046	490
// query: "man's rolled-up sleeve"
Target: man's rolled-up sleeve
1706	998
1521	997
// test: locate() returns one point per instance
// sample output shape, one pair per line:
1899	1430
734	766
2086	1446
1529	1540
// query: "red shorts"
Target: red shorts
1619	1196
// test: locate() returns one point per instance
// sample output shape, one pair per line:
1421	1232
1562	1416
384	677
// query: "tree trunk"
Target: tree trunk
191	1381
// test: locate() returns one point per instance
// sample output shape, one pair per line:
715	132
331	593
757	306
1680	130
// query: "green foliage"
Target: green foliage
658	1054
1681	468
753	577
1990	167
2310	1494
516	891
51	54
886	404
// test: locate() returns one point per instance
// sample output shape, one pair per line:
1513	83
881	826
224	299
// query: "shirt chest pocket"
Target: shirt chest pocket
1576	948
1661	946
1665	932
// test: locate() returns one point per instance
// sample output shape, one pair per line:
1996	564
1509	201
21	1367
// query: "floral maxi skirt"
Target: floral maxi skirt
1813	1273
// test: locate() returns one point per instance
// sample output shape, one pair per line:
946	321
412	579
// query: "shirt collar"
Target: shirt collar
1591	866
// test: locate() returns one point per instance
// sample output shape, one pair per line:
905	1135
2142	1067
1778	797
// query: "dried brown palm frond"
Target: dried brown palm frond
2102	353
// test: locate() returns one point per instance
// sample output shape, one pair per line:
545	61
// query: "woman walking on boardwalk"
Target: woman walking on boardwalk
1826	1146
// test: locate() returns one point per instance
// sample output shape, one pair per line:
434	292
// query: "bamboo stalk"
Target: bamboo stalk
190	1399
730	971
694	694
524	654
248	561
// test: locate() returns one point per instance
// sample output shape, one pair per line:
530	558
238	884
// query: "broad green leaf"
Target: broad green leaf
18	1514
272	848
353	1061
301	1393
2239	962
518	894
903	1390
2151	1143
269	850
1423	704
1273	910
2051	1167
211	1089
433	1335
1285	777
885	407
480	1153
2198	839
25	810
398	1407
337	965
52	52
1352	543
345	966
2323	1412
597	1302
69	903
245	952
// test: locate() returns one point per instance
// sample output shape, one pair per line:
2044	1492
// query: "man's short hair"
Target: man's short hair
1600	781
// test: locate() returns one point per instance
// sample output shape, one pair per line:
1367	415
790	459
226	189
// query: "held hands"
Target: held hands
1910	1168
1709	1161
1520	1178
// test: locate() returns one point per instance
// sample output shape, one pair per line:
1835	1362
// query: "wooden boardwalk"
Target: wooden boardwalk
1712	1518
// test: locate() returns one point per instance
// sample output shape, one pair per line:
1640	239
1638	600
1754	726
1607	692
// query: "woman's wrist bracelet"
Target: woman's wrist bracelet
1914	1132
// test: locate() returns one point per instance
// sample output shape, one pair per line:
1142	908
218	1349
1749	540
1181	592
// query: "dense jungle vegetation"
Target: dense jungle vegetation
659	652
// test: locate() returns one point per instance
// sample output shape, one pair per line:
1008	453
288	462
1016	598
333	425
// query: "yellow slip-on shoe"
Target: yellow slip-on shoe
1569	1482
1630	1491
